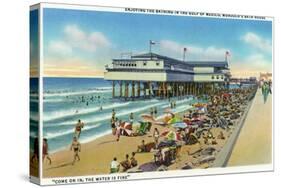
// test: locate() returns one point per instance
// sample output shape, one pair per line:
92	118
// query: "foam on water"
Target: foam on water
51	135
74	93
49	116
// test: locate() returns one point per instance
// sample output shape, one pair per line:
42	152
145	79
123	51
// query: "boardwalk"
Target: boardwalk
254	144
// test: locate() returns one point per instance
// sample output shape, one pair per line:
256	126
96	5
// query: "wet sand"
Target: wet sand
254	144
97	155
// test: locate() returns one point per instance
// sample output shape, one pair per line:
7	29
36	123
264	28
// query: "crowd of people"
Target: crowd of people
221	110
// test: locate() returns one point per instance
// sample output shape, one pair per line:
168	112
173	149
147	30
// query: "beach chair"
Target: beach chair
144	127
141	129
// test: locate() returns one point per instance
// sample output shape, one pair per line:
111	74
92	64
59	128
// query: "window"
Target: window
144	63
213	77
157	63
221	77
218	77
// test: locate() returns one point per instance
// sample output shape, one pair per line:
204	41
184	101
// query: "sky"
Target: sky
80	43
34	53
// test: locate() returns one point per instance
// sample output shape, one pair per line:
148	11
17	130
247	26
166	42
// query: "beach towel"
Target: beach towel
149	167
167	143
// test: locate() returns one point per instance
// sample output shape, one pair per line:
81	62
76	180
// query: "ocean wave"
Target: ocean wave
33	100
34	95
34	116
71	112
103	117
73	93
50	135
91	138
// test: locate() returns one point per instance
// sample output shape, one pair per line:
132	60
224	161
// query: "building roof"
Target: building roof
222	64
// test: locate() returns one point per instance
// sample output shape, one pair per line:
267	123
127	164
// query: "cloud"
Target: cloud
71	67
74	38
257	42
251	66
60	47
175	49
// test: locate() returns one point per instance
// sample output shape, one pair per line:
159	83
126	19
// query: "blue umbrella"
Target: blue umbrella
181	125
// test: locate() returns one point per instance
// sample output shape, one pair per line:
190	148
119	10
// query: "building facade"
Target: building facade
151	74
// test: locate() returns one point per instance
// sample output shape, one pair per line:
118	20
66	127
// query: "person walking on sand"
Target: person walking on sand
35	150
118	130
113	126
78	128
45	151
76	146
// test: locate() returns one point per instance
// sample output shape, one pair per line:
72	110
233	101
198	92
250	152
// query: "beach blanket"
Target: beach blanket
149	167
167	143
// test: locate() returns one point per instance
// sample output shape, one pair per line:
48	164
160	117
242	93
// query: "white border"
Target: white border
122	9
155	175
146	175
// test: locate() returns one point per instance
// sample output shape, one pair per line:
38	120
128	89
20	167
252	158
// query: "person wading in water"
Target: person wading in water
78	128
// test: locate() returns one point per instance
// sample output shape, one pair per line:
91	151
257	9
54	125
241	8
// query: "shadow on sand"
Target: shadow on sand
61	165
107	142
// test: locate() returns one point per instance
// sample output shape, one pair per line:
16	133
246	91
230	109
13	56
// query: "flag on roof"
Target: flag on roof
152	42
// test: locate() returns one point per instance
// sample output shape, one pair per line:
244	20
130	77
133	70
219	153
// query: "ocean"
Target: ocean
65	100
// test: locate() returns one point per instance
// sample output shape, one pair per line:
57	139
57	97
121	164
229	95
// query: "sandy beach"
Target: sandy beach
97	154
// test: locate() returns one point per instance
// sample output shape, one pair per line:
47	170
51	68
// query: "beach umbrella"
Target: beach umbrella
165	132
128	132
147	118
226	95
127	125
171	135
174	120
187	121
180	125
